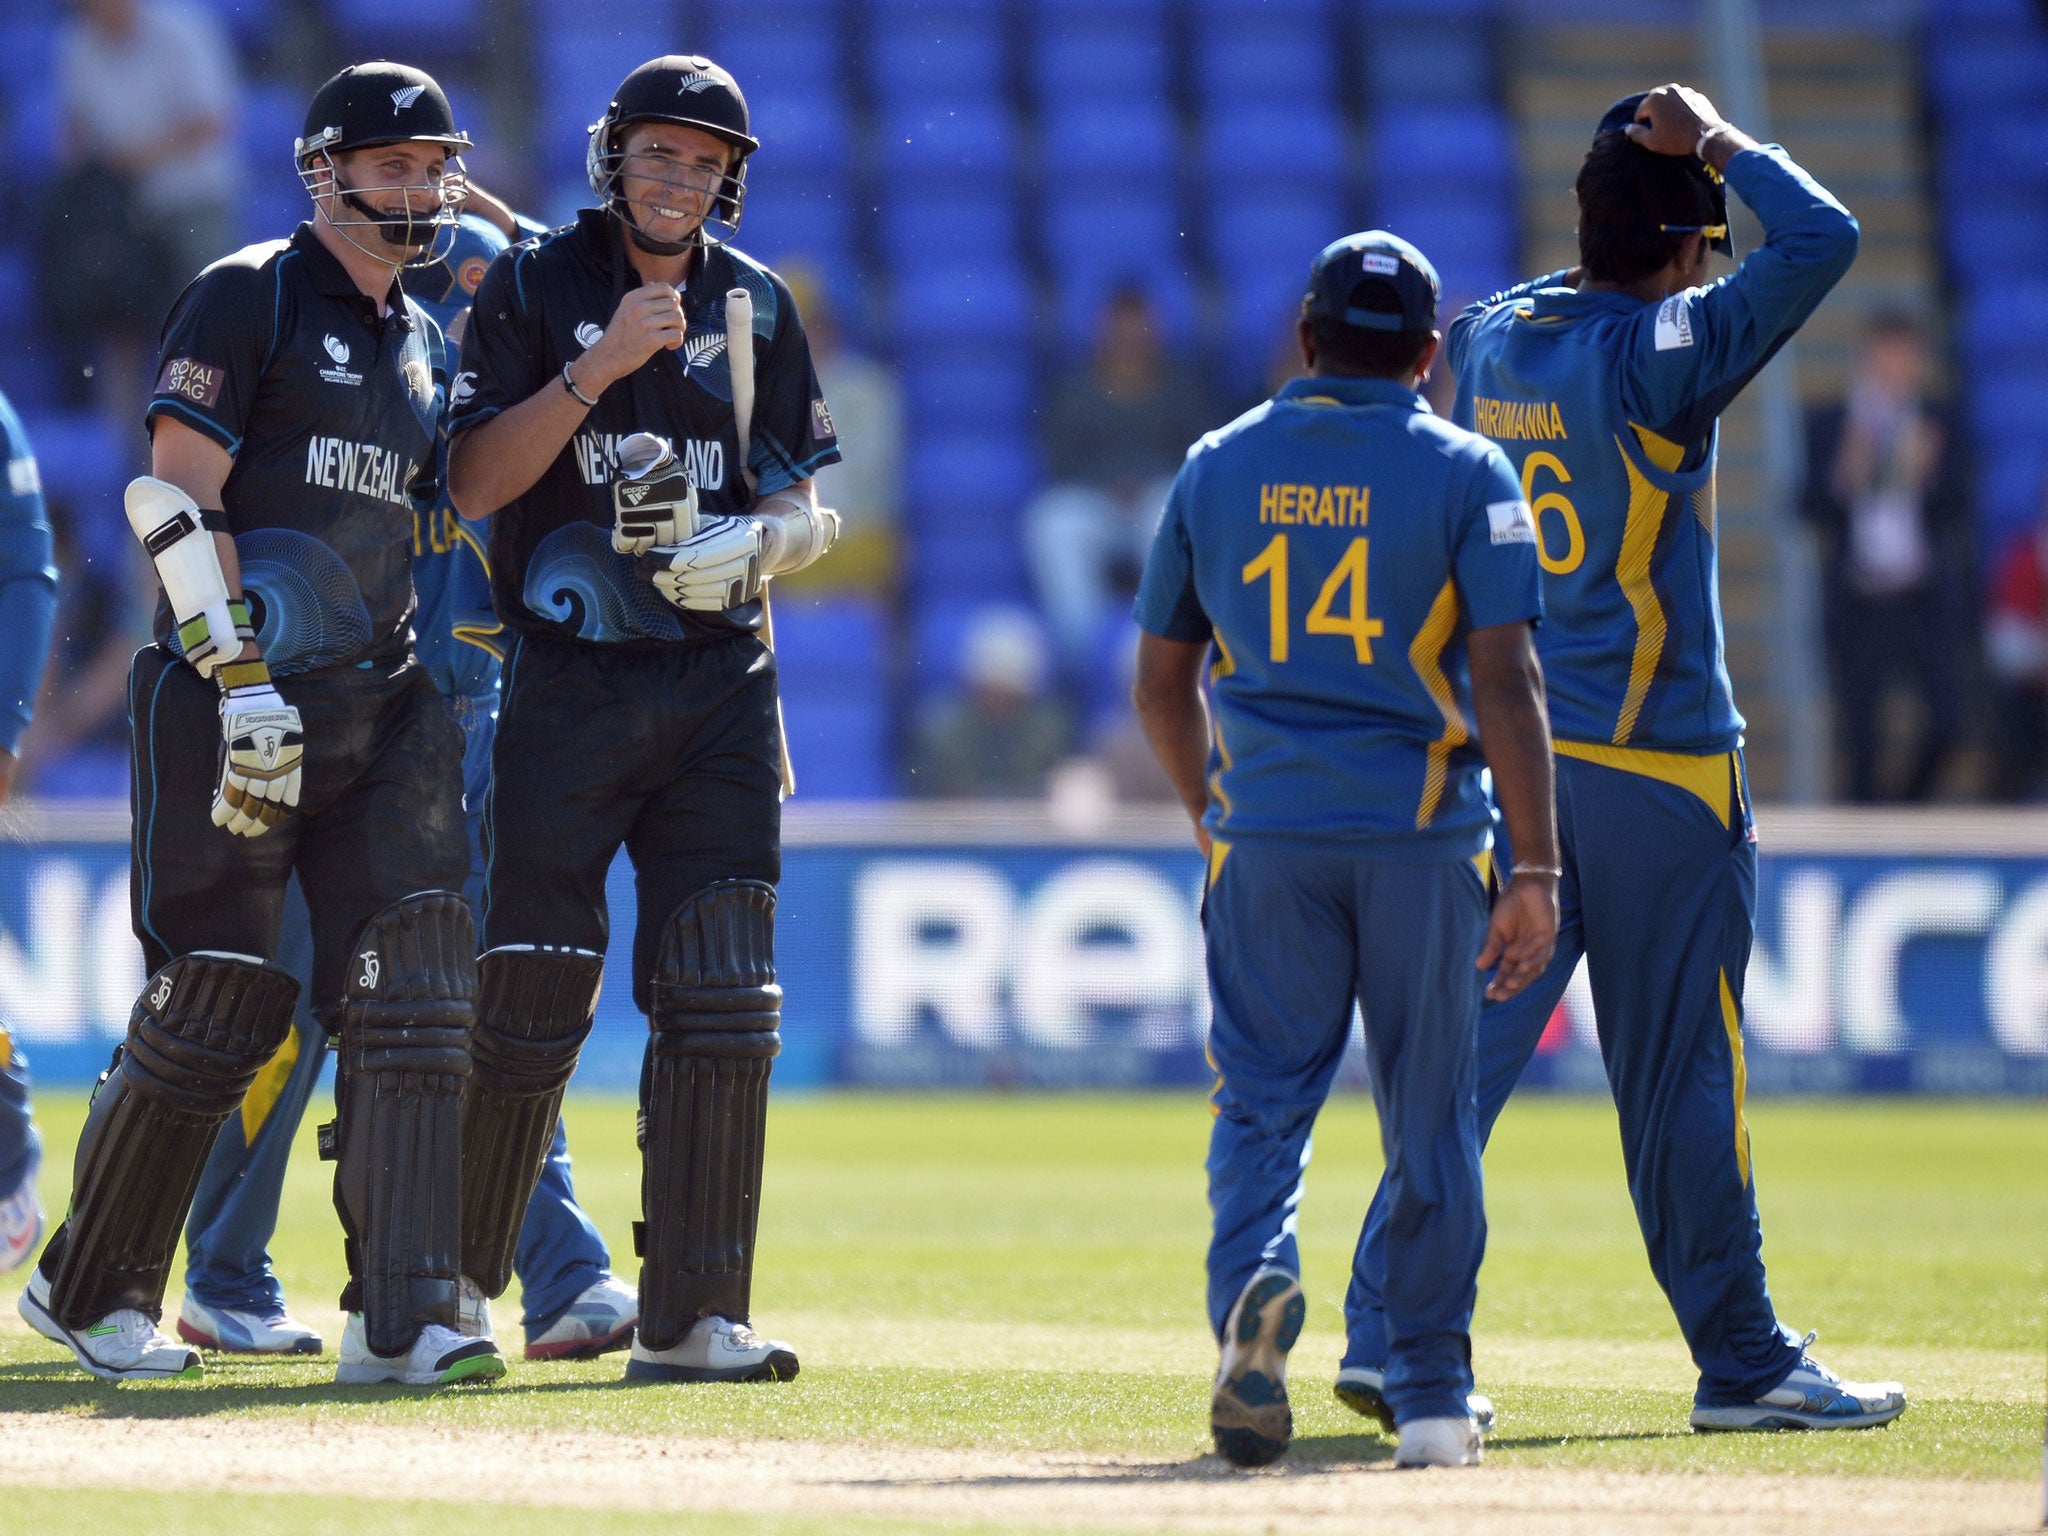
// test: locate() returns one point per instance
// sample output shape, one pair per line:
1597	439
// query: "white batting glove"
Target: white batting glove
653	499
718	567
262	748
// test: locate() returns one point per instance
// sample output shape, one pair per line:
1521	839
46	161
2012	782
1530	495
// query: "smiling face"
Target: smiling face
670	177
393	181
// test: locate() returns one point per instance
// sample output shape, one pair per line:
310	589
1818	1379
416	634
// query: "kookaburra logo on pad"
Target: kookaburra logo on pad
701	351
372	969
162	994
404	97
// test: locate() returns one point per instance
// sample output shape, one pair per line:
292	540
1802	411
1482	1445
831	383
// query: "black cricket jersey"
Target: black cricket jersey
545	302
330	414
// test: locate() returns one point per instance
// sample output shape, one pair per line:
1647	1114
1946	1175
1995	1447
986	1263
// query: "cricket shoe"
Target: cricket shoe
122	1346
598	1321
1248	1414
233	1331
1810	1397
1446	1442
715	1349
21	1224
1364	1391
439	1357
473	1311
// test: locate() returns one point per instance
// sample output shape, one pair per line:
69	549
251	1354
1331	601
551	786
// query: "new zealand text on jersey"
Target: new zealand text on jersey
363	468
703	458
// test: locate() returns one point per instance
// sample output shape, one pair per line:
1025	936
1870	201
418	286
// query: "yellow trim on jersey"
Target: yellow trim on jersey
1215	1088
268	1087
1660	451
6	1049
1706	777
476	634
1223	666
1482	861
1426	655
1731	1020
1219	850
1646	508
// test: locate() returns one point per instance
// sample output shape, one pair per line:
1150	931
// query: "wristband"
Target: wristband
569	383
243	674
1699	150
1555	872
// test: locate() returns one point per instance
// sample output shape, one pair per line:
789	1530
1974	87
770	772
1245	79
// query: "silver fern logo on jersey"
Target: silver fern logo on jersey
589	334
699	353
404	97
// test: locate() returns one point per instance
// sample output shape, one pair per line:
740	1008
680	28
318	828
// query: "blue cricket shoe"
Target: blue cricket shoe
1810	1397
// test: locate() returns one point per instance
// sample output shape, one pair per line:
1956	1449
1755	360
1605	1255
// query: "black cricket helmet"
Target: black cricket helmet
690	90
1616	120
383	103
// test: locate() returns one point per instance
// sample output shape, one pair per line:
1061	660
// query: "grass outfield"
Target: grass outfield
1024	1275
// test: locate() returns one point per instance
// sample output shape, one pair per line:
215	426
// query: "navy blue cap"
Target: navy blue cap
1375	281
1616	120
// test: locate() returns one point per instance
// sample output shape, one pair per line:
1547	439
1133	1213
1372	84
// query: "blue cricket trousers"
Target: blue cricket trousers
1659	895
1296	935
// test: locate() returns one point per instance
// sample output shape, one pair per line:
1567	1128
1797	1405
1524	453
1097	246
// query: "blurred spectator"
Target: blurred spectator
867	410
1881	494
1001	736
2016	655
78	745
1116	430
1117	741
144	194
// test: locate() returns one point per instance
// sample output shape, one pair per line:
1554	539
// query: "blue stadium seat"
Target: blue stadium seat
1987	158
1064	12
1105	145
273	199
1277	144
1286	59
789	48
840	745
943	144
1310	11
969	390
586	62
801	216
394	26
28	98
1098	57
1470	243
1471	149
80	453
808	131
1378	12
1425	59
961	227
966	478
1994	243
2005	326
985	565
918	52
936	304
252	23
1095	243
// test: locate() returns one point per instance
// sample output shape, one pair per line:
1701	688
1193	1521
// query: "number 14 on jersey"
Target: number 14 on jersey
1344	586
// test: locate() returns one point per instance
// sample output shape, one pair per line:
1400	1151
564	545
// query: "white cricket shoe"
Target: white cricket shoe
715	1349
1248	1413
473	1311
1364	1391
598	1321
1810	1397
1438	1443
122	1346
21	1224
439	1357
233	1331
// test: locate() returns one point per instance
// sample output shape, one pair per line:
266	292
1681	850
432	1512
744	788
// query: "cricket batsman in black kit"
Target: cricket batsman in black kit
281	723
639	408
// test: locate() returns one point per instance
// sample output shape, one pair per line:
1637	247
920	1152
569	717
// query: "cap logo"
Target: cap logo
405	96
695	83
1385	266
336	348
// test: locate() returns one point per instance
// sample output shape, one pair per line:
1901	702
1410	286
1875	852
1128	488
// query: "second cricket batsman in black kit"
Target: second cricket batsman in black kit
280	724
639	408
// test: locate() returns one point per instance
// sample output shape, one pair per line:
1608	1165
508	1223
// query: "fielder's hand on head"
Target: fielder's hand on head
262	748
1672	118
716	568
1521	935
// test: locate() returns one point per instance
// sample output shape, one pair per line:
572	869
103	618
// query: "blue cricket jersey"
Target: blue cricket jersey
1607	405
456	632
1336	544
28	581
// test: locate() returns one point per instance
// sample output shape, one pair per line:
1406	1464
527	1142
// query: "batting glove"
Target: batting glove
718	567
262	748
653	500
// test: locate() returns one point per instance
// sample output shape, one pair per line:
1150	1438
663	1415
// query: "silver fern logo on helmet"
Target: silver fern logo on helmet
692	84
405	96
